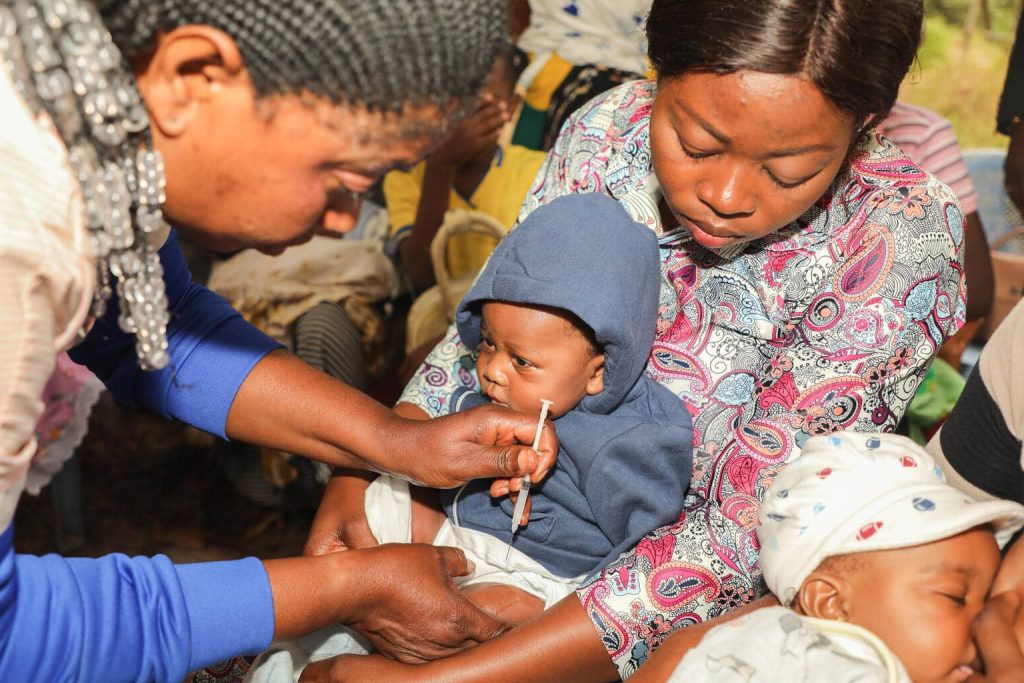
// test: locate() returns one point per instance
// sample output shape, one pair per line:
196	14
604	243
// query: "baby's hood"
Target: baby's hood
581	253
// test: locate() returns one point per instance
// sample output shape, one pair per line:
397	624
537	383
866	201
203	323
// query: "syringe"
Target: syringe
517	512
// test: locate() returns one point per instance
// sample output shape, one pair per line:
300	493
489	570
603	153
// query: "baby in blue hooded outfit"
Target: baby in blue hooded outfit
564	310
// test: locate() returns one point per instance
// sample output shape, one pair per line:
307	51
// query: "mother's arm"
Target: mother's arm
559	645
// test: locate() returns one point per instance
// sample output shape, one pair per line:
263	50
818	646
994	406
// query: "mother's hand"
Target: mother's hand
408	606
486	441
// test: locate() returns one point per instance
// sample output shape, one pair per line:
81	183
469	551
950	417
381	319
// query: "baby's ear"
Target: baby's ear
823	595
595	385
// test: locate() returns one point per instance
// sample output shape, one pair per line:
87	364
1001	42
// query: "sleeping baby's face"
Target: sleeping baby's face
530	353
920	600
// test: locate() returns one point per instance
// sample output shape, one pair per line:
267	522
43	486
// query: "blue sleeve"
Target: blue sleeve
637	482
116	618
212	350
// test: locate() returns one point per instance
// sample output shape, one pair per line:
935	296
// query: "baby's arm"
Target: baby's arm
340	523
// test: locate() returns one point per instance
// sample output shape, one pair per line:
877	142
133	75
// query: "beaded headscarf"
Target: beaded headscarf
64	62
66	59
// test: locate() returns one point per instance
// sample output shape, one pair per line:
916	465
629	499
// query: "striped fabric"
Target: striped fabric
326	339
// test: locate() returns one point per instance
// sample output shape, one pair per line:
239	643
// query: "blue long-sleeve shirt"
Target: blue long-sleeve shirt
212	350
144	619
117	618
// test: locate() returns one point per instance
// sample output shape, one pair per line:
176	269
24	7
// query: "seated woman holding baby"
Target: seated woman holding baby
810	271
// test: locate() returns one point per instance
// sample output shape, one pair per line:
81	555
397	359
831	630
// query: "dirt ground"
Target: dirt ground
146	490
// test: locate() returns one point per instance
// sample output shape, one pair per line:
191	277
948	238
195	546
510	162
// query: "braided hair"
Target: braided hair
380	54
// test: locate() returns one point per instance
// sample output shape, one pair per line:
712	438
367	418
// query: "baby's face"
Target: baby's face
920	601
528	354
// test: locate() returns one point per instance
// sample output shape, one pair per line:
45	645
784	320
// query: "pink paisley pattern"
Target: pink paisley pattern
825	325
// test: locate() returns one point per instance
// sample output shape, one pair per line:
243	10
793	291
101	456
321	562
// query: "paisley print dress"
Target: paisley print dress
828	324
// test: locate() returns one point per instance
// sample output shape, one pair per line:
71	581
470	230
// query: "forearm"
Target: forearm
559	645
665	659
286	404
977	268
313	592
433	204
340	522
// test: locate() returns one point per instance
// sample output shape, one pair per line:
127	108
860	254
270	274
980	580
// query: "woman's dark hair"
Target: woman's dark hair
855	51
382	54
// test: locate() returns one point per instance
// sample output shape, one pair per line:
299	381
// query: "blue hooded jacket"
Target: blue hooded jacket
625	453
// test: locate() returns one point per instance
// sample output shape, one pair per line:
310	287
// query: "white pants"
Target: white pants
389	514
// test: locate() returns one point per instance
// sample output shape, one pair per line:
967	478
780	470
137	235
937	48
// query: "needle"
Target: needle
517	513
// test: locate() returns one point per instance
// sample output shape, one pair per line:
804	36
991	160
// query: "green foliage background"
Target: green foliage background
961	80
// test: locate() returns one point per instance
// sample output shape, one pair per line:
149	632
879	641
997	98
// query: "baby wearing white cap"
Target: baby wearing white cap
880	565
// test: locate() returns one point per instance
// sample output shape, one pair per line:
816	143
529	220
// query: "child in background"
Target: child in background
880	565
470	170
625	441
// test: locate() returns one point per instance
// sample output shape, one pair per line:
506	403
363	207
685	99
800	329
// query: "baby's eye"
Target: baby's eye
486	343
522	362
958	599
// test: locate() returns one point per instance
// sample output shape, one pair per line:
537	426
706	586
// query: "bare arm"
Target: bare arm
340	522
438	178
415	250
977	268
478	132
560	645
288	405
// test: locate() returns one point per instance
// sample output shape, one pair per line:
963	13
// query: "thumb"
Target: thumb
454	561
481	626
514	461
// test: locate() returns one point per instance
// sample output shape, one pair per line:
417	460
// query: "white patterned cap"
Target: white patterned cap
850	493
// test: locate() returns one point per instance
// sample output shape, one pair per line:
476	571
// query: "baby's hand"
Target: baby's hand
548	451
511	488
